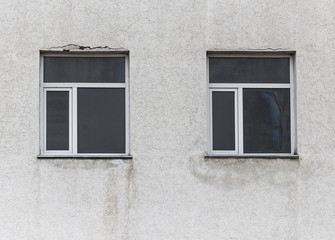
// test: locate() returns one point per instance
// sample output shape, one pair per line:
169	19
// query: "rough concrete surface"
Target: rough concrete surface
168	190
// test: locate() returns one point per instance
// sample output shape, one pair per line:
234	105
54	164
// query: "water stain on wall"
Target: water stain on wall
233	174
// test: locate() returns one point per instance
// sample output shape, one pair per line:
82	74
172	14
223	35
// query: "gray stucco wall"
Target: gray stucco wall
169	190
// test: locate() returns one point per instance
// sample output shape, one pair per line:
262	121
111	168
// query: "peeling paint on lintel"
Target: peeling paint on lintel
80	48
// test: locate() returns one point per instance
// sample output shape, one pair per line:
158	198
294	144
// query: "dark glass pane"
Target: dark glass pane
84	69
249	70
101	120
57	120
266	121
223	120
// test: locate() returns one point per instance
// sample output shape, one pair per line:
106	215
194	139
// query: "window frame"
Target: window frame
72	87
212	87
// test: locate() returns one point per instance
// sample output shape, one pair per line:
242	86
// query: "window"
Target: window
251	105
84	101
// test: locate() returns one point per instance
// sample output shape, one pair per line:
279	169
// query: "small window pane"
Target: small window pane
249	70
266	119
101	120
84	69
223	120
57	129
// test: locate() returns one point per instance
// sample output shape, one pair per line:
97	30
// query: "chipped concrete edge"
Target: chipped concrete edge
75	48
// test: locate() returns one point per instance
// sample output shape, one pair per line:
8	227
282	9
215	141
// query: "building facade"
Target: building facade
168	182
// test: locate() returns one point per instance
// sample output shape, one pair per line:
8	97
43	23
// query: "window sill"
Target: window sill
265	156
87	157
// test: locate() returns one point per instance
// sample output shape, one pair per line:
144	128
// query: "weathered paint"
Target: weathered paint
169	190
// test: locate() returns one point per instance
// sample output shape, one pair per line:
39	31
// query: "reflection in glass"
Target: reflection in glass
266	121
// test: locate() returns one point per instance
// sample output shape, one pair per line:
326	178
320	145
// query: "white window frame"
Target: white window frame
234	90
72	88
238	87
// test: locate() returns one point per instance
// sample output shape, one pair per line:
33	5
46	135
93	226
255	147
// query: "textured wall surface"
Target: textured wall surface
169	190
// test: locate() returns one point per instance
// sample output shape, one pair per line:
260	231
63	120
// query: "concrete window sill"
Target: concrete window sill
84	157
265	156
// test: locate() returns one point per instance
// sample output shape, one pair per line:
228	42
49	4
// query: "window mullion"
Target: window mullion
74	121
240	119
292	107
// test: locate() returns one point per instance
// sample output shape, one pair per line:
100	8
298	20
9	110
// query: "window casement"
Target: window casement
84	105
251	105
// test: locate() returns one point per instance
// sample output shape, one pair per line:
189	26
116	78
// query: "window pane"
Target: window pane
266	119
249	70
57	120
101	120
84	69
223	120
